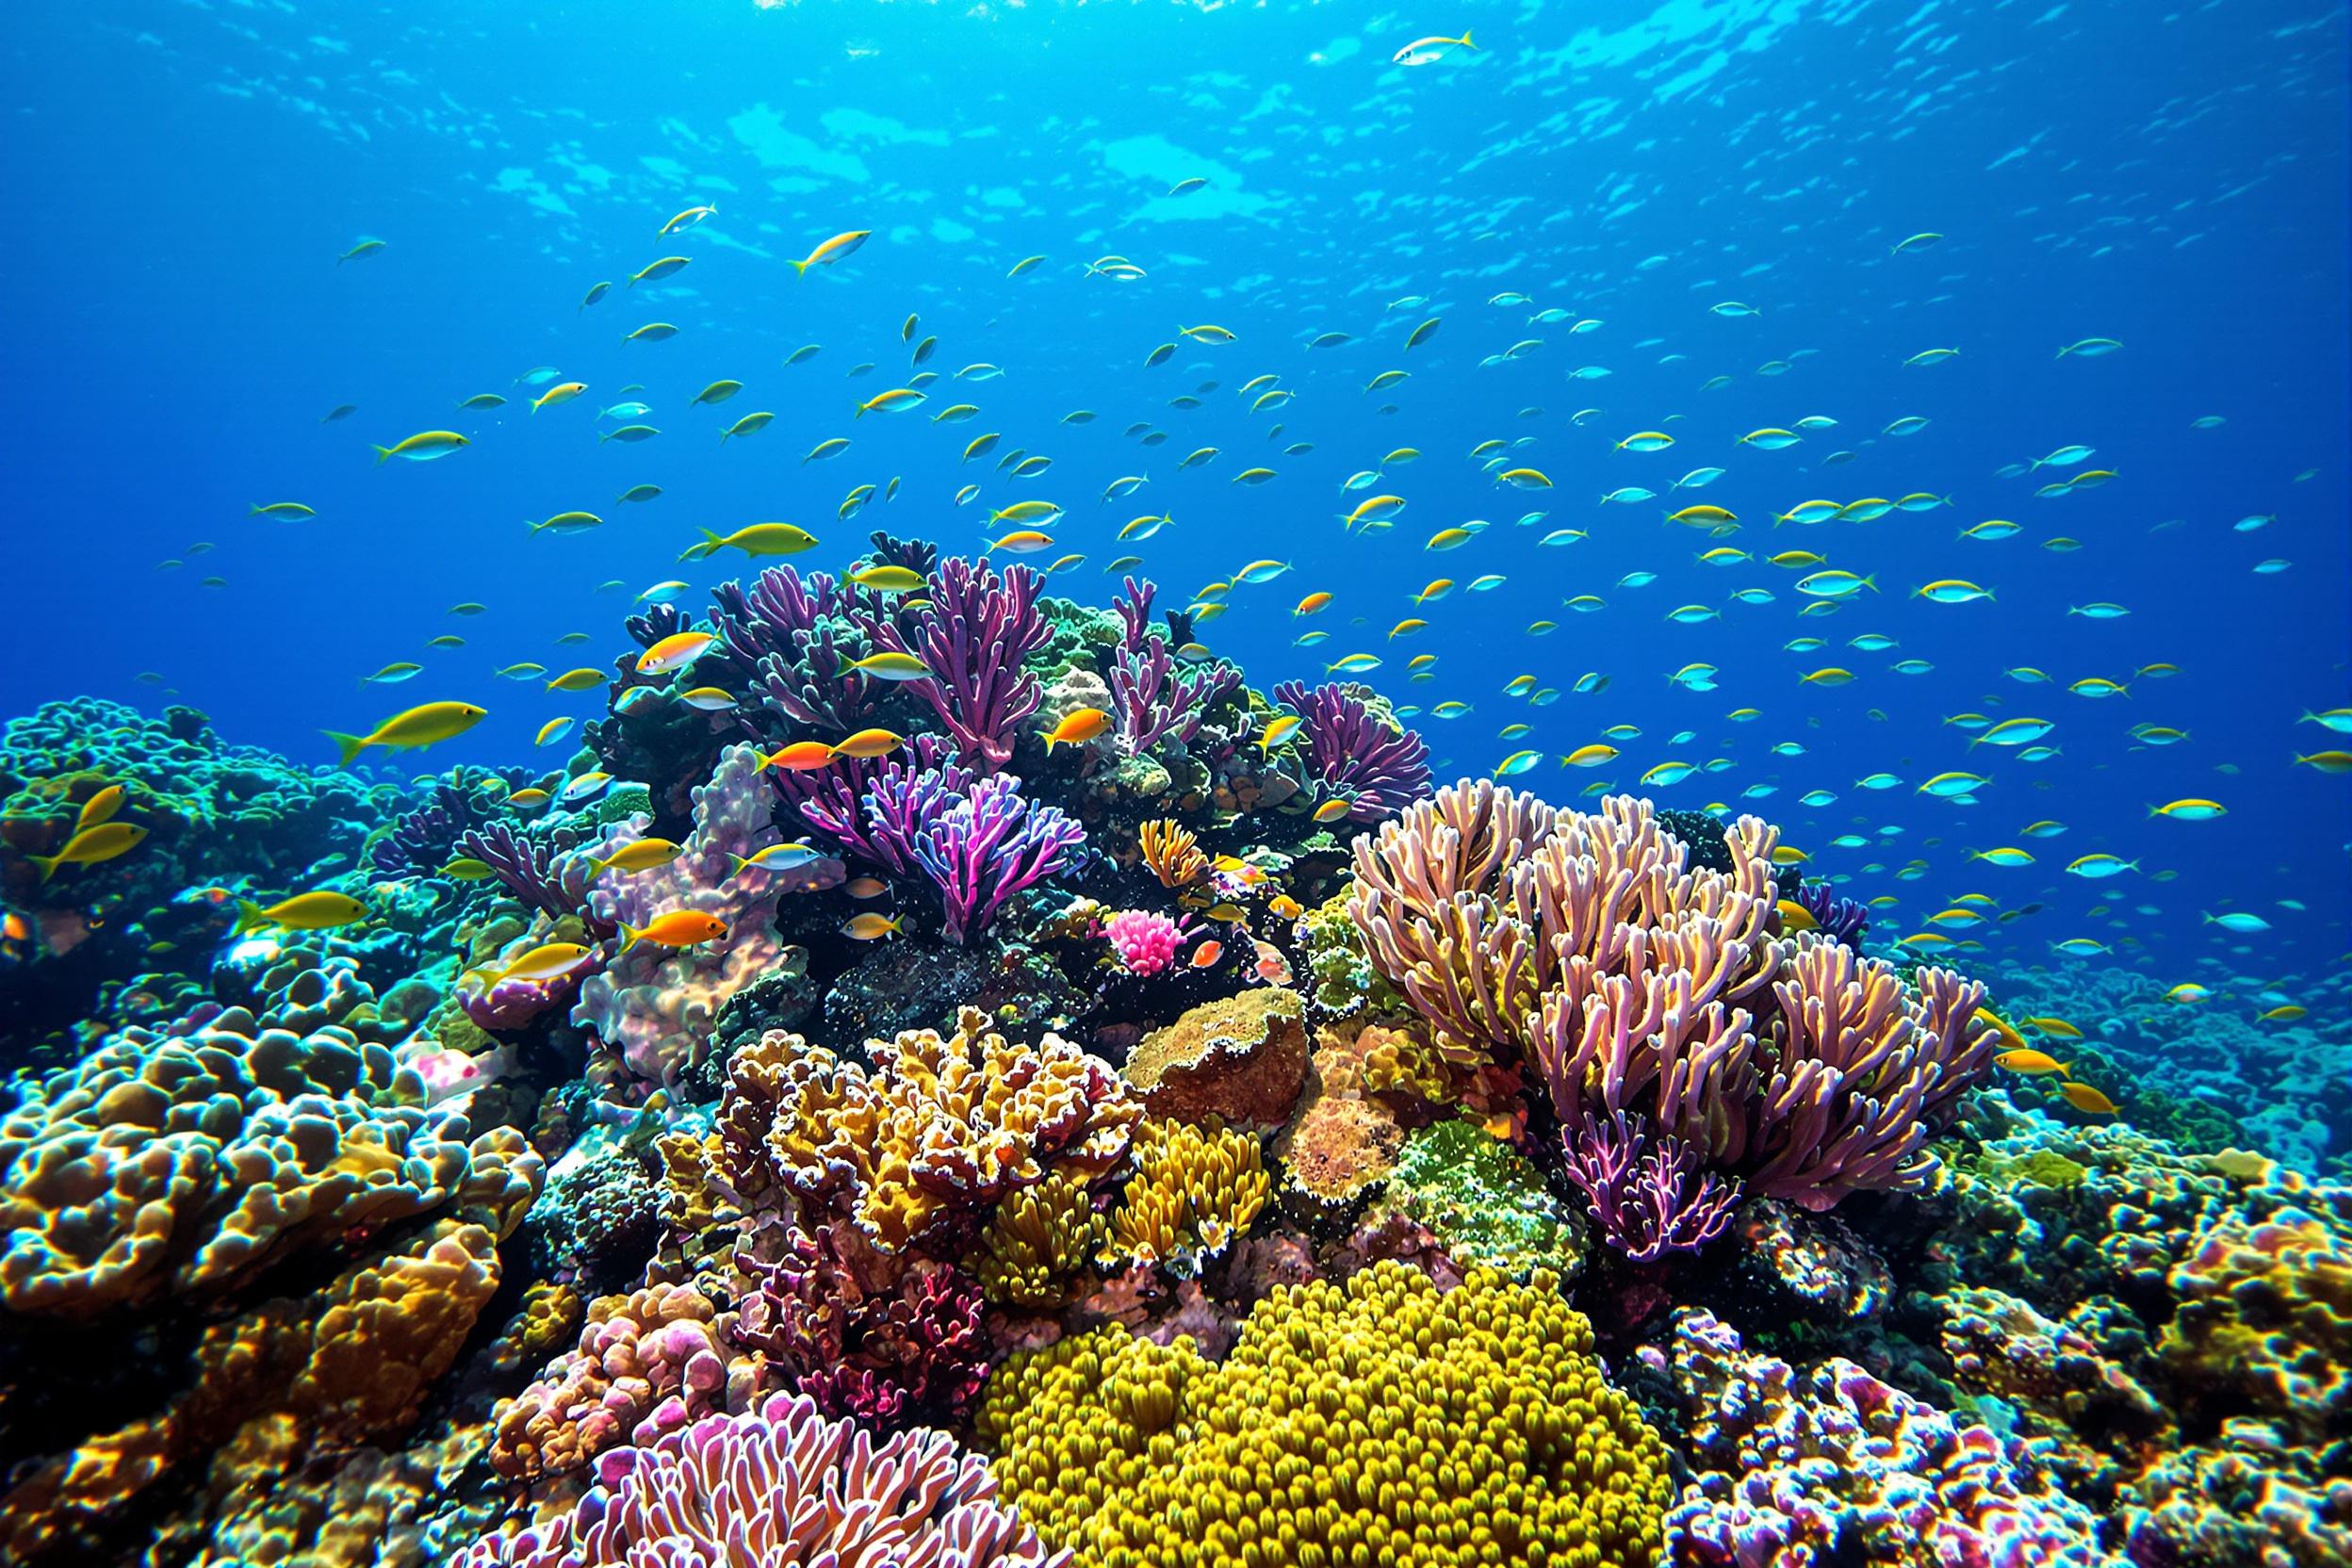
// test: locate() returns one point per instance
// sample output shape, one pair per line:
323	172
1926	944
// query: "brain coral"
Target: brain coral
187	1164
1383	1422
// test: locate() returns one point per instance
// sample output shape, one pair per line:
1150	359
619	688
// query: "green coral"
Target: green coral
1484	1203
1078	637
1380	1422
1343	980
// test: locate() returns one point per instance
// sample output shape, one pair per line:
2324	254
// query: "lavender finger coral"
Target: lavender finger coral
780	1486
1585	946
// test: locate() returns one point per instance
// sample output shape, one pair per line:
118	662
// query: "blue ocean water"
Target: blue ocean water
183	178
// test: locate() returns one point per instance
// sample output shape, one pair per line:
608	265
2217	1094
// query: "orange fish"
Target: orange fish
1207	954
1272	966
677	928
799	756
1331	810
1078	727
865	886
1285	906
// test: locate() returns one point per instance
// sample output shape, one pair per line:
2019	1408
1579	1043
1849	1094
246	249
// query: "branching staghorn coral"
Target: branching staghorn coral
1587	946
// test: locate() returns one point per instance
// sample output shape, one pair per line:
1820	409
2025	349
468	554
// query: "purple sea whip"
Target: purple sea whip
1375	768
1647	1194
1154	701
978	841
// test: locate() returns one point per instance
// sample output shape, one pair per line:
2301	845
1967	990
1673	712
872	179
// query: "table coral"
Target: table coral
1381	1422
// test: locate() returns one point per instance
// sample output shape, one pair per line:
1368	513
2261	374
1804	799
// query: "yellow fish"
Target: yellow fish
425	725
755	539
91	846
320	911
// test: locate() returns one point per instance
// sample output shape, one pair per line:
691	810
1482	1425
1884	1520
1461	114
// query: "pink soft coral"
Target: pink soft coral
1146	941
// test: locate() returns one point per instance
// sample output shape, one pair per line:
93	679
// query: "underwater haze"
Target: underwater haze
731	732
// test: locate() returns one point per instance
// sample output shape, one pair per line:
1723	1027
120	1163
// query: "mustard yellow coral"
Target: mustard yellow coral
937	1122
1381	1423
1194	1191
1037	1240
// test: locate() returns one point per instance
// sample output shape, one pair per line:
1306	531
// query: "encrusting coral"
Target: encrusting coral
1380	1422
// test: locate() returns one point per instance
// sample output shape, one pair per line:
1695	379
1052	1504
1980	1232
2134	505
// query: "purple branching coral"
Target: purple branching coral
780	1485
1152	699
795	638
831	799
891	1339
1647	1194
1584	945
1356	756
972	630
1841	919
539	873
978	841
791	635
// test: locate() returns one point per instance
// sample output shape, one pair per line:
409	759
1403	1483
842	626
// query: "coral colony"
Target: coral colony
1174	1145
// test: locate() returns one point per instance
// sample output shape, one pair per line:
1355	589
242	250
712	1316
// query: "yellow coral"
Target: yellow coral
937	1120
1193	1193
1173	852
1037	1238
1381	1423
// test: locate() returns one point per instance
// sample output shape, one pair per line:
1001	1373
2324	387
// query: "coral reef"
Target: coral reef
1247	1151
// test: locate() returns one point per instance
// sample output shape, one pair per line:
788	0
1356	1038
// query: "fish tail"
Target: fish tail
351	745
1871	584
250	916
800	268
48	864
629	937
1465	41
381	452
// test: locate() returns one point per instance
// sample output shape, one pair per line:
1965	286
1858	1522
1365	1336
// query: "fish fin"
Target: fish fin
381	452
800	268
1871	584
1465	41
49	863
250	916
629	937
351	745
